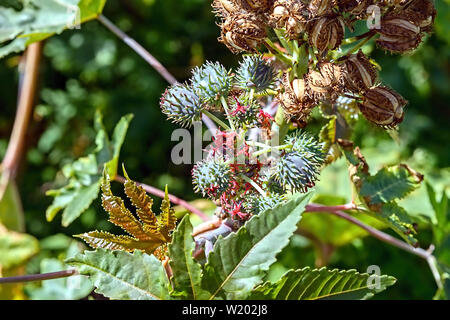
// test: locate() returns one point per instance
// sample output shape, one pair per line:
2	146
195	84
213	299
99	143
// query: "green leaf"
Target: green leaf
118	138
80	203
84	175
378	193
16	248
389	184
441	207
72	288
240	260
11	211
187	272
90	9
122	275
307	284
40	19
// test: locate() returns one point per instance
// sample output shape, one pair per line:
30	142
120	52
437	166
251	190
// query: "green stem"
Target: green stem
279	127
252	95
254	184
360	44
227	111
301	60
280	55
217	120
269	149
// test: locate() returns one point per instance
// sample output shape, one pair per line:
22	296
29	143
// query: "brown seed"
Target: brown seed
398	34
383	106
290	15
242	32
421	13
357	8
327	83
259	6
296	100
359	73
225	8
326	33
319	8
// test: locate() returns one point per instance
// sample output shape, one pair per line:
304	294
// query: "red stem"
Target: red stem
39	277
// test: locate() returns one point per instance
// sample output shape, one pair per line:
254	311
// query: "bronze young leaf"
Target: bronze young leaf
147	232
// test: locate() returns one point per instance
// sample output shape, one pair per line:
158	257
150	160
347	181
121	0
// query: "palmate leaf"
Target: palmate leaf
35	20
187	273
122	275
240	260
307	284
150	234
378	193
84	175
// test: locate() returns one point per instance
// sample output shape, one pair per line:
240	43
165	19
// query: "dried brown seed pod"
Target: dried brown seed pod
357	8
327	83
359	73
383	106
398	34
225	8
421	13
296	100
319	8
326	33
291	15
242	32
259	6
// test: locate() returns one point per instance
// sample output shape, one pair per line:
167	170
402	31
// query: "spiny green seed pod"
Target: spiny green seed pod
211	81
255	73
296	171
181	104
211	177
308	145
258	204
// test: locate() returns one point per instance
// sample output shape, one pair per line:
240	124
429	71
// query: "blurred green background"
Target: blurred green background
88	69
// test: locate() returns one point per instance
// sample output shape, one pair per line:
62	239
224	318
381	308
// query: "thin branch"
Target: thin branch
40	277
379	234
140	50
161	194
425	254
149	58
312	207
25	105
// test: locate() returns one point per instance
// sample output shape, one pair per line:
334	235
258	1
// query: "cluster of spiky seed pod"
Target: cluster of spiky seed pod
185	103
313	71
231	184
